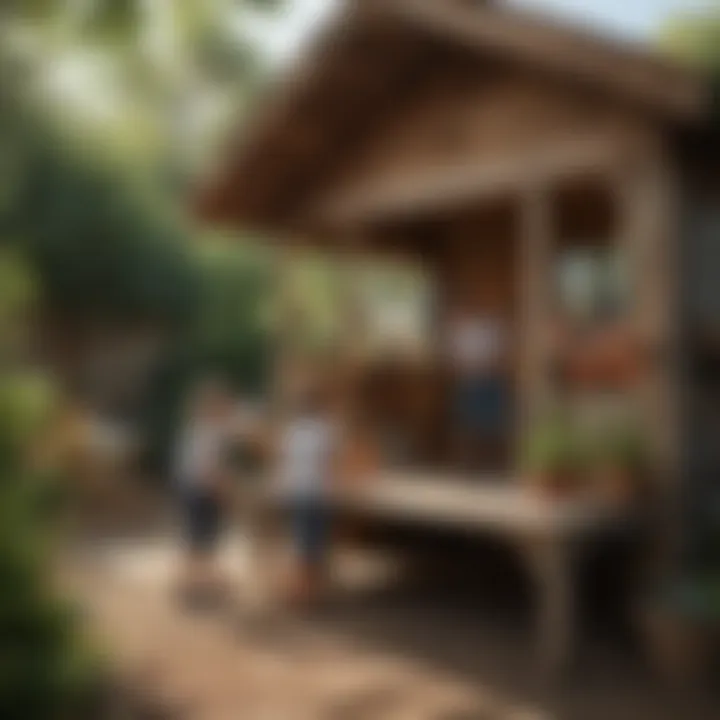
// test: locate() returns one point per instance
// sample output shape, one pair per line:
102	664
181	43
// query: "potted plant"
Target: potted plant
681	625
620	463
603	356
622	356
556	459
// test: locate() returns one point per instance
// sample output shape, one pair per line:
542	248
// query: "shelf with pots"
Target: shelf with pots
605	357
609	461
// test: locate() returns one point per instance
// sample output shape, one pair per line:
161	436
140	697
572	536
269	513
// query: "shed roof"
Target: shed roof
373	51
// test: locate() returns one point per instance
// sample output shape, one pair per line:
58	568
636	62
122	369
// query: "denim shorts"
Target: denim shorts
481	404
310	520
202	518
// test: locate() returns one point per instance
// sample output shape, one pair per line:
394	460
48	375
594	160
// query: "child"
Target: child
309	451
478	349
202	474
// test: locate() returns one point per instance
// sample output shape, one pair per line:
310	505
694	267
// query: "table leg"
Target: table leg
550	564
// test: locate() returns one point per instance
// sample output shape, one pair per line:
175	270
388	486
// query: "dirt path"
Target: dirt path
371	656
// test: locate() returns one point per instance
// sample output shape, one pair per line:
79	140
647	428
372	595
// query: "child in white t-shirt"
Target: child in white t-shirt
307	469
477	347
201	473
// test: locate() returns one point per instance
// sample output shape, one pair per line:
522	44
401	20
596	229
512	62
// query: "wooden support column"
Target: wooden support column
650	233
535	287
650	222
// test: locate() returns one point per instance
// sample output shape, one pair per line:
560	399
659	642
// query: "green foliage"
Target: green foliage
694	38
696	597
113	20
103	243
228	337
26	402
562	442
43	669
231	330
556	446
16	286
17	289
623	445
99	244
33	9
105	247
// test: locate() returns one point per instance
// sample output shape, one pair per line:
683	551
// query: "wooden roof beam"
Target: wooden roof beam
460	184
389	92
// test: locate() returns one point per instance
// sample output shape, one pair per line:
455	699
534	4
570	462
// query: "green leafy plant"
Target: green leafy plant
555	446
623	446
696	596
45	669
556	456
45	666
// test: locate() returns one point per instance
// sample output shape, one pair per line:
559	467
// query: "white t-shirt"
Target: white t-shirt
476	343
201	452
307	449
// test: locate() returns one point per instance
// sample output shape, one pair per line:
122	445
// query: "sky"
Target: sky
637	19
631	19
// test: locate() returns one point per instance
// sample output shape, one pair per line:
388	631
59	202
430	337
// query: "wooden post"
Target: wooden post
650	223
649	220
535	285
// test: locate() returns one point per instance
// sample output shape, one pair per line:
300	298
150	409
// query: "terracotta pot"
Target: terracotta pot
617	484
607	358
677	648
578	367
622	366
555	484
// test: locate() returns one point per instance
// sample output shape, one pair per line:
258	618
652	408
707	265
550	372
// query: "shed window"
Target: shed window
592	282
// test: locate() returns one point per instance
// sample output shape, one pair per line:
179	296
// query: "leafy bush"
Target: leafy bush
25	405
43	668
229	337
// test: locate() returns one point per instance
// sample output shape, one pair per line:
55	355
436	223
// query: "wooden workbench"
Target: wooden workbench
546	533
